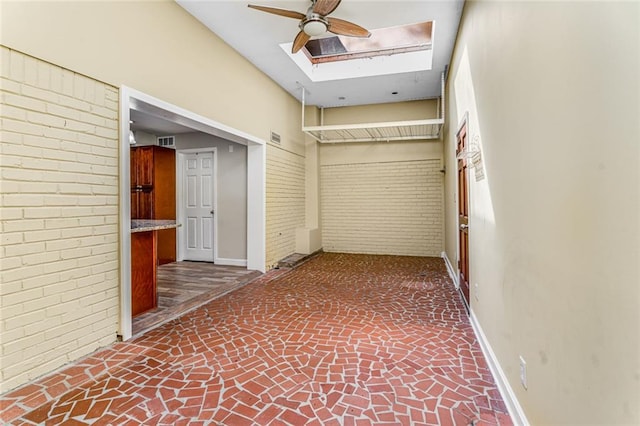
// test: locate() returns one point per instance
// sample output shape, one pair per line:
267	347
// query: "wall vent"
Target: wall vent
275	138
167	141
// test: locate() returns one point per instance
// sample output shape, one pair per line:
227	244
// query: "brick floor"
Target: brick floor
341	340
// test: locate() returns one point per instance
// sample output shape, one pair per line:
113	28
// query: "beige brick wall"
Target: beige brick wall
383	208
285	202
58	215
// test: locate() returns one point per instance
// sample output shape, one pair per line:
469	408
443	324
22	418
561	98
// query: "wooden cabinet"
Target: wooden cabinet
143	272
153	192
151	165
142	165
141	204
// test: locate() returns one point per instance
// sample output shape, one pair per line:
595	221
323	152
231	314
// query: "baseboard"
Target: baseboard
230	262
452	274
513	406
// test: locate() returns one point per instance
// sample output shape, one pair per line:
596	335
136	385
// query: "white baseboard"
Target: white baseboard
452	274
230	262
513	406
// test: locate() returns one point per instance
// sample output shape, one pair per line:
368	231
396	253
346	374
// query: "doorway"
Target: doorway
131	99
463	210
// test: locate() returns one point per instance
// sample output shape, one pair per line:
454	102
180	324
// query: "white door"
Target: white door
199	206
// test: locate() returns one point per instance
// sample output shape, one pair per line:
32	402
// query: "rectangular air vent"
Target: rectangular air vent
167	141
275	138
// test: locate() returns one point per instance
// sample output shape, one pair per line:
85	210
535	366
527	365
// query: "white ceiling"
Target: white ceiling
257	36
155	125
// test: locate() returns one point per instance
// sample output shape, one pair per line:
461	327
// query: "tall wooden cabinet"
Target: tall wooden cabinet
153	192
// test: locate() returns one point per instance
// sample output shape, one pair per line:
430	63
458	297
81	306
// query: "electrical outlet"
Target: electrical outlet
523	372
476	291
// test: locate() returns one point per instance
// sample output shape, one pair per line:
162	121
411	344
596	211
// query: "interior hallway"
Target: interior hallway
342	339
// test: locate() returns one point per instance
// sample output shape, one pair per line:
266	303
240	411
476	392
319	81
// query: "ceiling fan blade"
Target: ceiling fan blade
342	27
282	12
301	39
325	7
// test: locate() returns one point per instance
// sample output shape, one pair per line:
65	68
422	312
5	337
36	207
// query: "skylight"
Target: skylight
383	41
401	49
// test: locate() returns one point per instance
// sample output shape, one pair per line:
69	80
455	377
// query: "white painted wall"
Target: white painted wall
553	97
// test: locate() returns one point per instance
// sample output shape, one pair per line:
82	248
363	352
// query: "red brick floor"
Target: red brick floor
341	340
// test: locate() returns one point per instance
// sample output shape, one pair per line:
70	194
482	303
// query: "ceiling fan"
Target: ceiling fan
316	22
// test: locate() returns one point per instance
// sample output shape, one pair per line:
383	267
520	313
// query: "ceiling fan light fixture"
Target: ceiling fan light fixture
314	27
316	22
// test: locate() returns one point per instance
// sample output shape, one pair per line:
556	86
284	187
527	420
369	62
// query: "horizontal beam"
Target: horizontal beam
405	138
383	125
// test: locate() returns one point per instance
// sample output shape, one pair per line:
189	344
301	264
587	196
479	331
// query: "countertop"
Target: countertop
144	225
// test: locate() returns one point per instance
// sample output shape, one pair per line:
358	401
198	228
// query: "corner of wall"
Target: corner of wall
308	240
508	395
452	273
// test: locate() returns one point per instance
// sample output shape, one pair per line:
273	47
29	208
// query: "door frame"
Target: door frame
464	123
256	185
180	199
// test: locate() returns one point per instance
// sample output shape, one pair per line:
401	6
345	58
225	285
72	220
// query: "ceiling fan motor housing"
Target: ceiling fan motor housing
314	24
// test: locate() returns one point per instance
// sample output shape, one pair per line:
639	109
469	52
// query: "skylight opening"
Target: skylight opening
403	49
383	42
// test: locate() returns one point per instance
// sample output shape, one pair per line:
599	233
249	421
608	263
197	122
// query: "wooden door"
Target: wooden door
141	169
144	163
133	167
134	203
141	203
463	212
145	203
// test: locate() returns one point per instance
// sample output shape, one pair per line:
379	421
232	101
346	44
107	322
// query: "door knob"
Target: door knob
464	226
211	212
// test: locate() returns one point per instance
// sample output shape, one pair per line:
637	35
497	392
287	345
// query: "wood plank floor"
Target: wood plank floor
183	286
